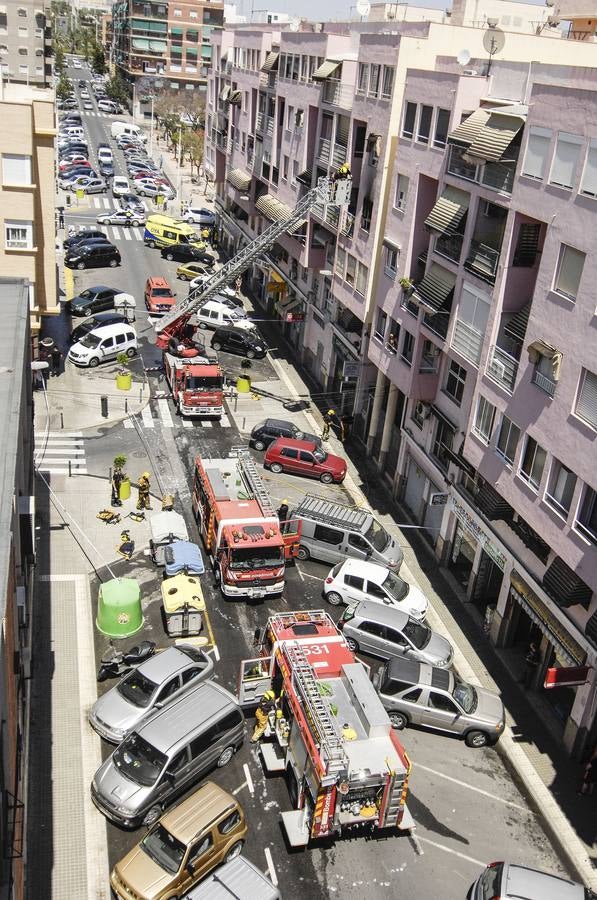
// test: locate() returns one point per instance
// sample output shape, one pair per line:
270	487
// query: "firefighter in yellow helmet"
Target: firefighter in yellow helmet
327	421
343	172
143	485
266	705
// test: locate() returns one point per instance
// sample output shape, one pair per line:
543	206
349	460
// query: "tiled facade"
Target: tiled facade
448	310
25	42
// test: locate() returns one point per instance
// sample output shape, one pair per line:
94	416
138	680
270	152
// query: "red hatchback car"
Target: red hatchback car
304	458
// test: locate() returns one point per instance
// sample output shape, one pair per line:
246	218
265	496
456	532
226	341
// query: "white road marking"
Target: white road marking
301	576
62	461
186	423
165	416
225	421
138	233
205	423
106	202
128	423
470	787
250	784
96	202
216	652
59	434
147	417
476	862
115	233
270	867
53	449
60	471
238	789
127	234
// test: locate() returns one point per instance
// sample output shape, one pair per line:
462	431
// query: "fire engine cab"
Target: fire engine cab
330	735
240	528
197	385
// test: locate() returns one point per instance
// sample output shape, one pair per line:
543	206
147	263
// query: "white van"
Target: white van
215	313
73	131
118	129
103	344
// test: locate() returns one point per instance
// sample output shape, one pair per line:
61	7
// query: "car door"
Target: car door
289	460
199	861
377	593
177	775
104	300
235	342
308	465
121	343
395	644
356	546
108	348
170	688
371	637
353	591
205	750
442	712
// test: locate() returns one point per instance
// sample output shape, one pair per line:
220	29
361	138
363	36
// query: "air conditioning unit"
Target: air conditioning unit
422	410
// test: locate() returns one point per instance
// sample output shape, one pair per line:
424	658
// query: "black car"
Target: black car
92	255
93	300
84	237
187	253
245	342
106	169
267	431
103	318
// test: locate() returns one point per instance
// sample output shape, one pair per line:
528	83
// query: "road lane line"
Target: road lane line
270	867
472	788
186	423
476	862
249	781
147	417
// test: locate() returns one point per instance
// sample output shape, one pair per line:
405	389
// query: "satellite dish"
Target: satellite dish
494	40
295	24
363	7
464	57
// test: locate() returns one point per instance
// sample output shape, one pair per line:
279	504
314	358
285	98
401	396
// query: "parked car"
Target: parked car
509	881
88	256
227	294
73	173
156	682
67	163
159	296
82	237
120	186
93	299
87	104
197	215
109	317
125	217
156	190
215	313
105	152
190	270
304	458
88	184
243	341
104	344
107	106
415	693
387	632
187	253
353	580
266	432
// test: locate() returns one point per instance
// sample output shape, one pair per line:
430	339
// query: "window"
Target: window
203	742
362	275
562	481
351	269
359	542
535	158
586	402
388	82
401	192
285	161
374	590
354	581
178	12
569	271
484	419
442	445
408	125
565	159
471	321
18	235
408	346
374	78
23	33
508	438
533	463
230	822
327	535
588	184
424	129
413	696
391	260
440	701
190	674
289	453
363	78
199	849
442	123
366	213
455	380
586	521
22	12
340	261
380	324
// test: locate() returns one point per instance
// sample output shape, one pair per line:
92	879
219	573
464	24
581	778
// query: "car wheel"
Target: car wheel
93	362
81	265
259	445
113	263
87	312
184	277
169	257
151	245
216	346
334	598
131	352
250	354
152	814
225	757
234	851
276	468
326	478
352	644
135	223
202	325
476	739
303	554
398	720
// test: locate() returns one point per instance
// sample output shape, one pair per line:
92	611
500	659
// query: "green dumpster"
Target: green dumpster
119	611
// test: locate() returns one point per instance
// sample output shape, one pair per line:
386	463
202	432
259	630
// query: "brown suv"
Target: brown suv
207	829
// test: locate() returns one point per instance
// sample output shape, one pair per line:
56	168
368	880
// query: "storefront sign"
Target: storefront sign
350	369
566	647
566	676
473	527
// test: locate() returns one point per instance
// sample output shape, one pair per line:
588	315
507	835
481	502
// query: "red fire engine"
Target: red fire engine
240	528
197	385
331	735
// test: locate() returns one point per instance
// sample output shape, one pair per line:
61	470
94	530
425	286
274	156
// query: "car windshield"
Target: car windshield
87	295
465	695
161	292
419	635
396	587
201	383
139	761
137	689
246	558
90	340
377	536
164	849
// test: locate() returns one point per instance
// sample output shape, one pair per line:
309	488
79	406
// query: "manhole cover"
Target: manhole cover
139	454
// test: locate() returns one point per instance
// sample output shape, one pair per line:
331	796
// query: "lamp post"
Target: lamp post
151	126
178	165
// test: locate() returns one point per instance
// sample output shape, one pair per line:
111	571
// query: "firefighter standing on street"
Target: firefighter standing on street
266	705
283	513
143	485
116	482
327	421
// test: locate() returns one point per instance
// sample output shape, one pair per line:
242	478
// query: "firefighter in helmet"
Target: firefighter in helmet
329	417
143	485
266	705
343	172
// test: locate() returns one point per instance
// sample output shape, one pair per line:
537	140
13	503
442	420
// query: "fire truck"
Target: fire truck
197	385
330	736
240	528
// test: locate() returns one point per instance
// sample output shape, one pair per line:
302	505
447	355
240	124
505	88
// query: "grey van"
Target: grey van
238	879
170	751
331	531
387	632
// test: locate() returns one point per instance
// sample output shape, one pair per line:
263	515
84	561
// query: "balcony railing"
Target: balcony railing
438	323
482	260
339	154
268	79
324	150
544	382
269	125
502	368
260	121
337	94
449	245
348	227
467	341
497	176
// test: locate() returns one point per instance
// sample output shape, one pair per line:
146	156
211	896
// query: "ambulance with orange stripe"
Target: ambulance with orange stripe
330	735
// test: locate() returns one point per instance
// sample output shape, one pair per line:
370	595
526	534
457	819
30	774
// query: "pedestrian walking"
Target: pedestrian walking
56	360
143	486
61	217
283	514
589	777
531	662
266	705
117	479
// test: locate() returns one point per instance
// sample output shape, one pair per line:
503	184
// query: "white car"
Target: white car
108	106
87	104
120	186
199	280
198	215
354	580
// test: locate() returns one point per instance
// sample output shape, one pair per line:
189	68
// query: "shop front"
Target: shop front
476	561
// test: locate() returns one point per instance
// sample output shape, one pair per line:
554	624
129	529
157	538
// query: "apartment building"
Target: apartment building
27	195
448	308
171	40
25	42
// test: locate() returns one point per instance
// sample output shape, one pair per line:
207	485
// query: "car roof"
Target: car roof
109	317
379	612
162	665
274	423
297	445
374	571
239	332
158	281
529	884
195	813
96	288
102	330
407	670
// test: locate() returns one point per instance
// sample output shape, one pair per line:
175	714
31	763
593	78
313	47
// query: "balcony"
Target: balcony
496	176
502	368
438	323
324	150
260	121
449	245
339	154
327	213
268	80
482	260
467	341
544	382
337	94
269	125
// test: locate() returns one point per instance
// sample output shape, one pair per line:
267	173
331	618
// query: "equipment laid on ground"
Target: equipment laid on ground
165	528
116	663
331	735
240	528
109	517
183	602
197	385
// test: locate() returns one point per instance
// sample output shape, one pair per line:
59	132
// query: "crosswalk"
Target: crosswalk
159	412
55	450
98	114
117	232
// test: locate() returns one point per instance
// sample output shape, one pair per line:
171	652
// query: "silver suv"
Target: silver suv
414	693
507	881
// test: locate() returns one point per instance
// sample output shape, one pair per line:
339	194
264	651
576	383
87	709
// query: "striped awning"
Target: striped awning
239	179
273	209
468	130
225	92
158	46
564	586
435	288
494	138
271	62
305	177
449	211
176	30
516	328
326	69
140	44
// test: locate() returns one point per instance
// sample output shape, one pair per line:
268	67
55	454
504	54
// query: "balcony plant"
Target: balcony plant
406	285
124	378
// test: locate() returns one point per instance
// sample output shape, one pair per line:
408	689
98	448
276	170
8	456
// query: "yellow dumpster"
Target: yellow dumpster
183	604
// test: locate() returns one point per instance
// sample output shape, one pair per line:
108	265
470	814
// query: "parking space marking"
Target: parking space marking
238	789
271	871
306	574
476	862
250	784
212	639
470	787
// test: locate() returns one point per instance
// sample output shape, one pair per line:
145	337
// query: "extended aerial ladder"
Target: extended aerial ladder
329	189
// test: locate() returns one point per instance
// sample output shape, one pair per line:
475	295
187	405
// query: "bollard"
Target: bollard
126	405
70	469
62	420
104	405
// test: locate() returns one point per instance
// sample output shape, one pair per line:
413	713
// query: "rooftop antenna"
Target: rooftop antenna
493	41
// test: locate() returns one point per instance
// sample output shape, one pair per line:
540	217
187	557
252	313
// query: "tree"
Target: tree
117	90
192	107
63	88
195	141
98	60
59	60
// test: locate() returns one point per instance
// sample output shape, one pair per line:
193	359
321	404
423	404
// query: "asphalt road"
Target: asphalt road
467	809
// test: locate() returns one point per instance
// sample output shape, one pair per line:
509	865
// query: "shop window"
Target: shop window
532	463
562	482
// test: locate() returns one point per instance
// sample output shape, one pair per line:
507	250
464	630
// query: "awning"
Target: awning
327	67
239	179
305	177
285	304
567	649
274	210
158	46
176	29
495	137
541	348
435	288
271	62
235	98
591	628
449	211
492	505
564	586
140	44
468	130
516	328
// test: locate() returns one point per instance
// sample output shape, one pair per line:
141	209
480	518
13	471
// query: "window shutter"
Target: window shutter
565	159
586	406
589	178
570	272
537	150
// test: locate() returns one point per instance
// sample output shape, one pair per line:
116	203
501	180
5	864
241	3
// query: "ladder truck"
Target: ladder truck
240	527
175	324
330	736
